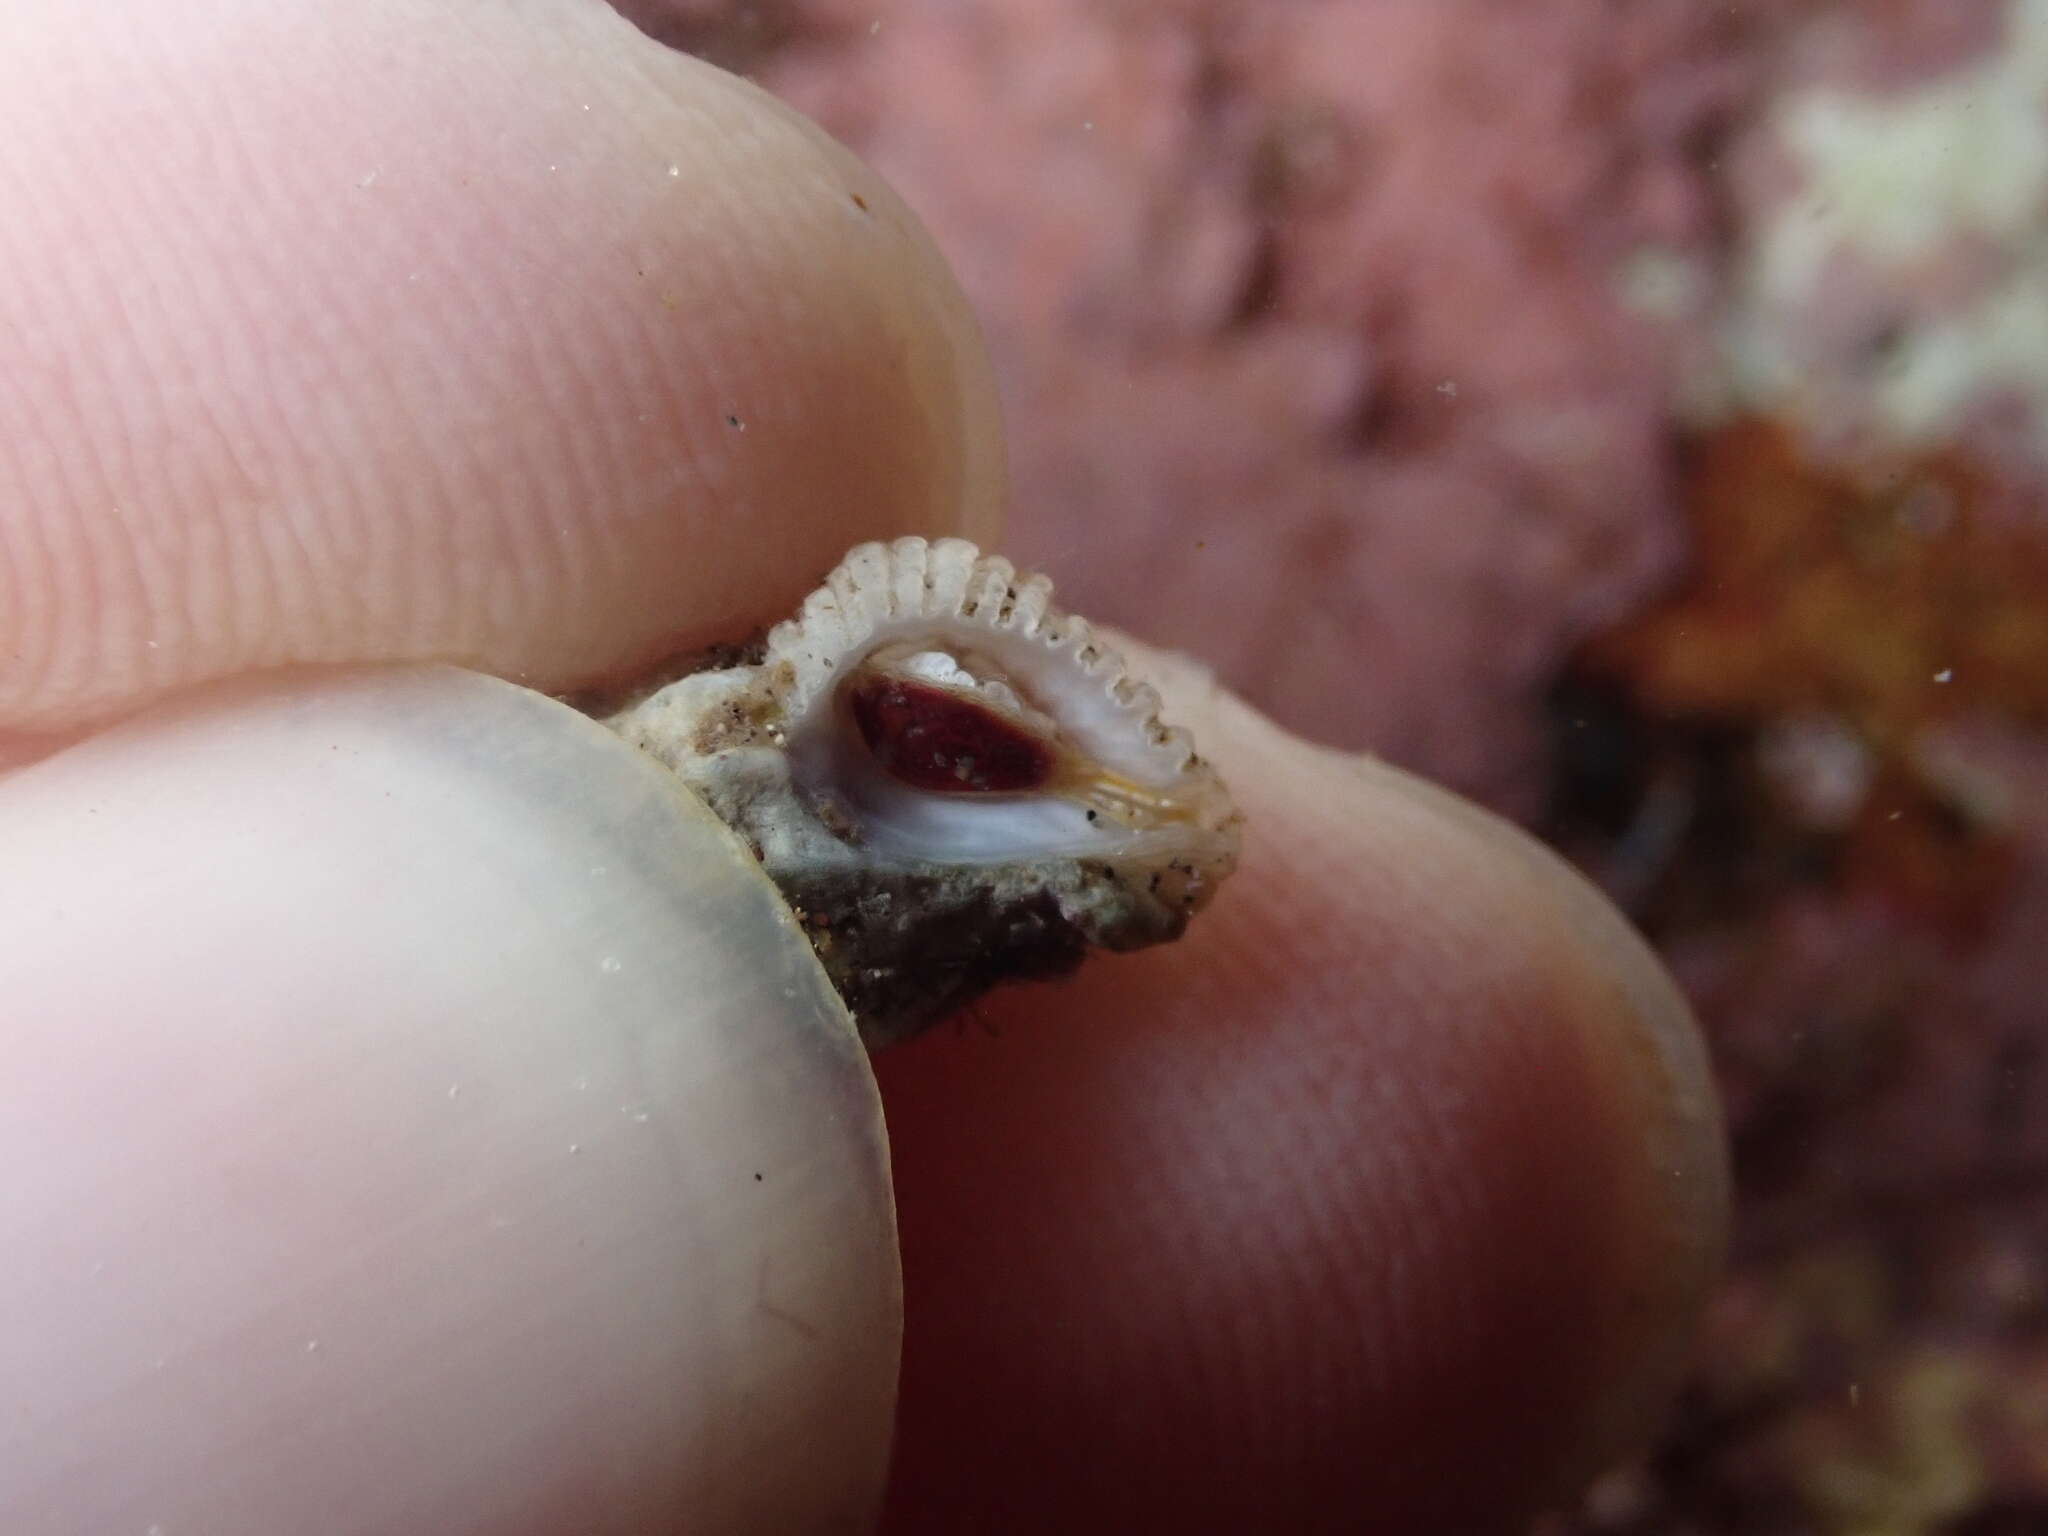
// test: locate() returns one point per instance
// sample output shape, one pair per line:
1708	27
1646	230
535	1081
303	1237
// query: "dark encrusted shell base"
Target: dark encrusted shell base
908	947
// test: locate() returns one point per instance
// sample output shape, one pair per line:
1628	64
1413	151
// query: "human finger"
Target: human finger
1387	1199
497	334
422	1116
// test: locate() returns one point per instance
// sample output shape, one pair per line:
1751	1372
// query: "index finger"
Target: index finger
496	335
1386	1200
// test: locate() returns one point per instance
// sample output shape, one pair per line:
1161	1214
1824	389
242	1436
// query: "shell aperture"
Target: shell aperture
943	742
953	783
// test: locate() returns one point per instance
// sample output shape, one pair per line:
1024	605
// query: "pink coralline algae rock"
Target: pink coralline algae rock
1324	330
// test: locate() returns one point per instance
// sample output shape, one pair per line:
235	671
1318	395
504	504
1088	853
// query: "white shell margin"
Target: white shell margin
950	590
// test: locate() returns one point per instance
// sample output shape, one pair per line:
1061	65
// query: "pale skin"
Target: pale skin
412	332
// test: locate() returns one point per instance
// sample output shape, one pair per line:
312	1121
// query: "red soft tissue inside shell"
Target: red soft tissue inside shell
935	739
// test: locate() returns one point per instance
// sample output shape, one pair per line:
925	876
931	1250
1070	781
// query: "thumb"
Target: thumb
422	1117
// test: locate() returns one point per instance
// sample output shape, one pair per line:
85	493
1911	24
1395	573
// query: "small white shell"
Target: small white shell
953	782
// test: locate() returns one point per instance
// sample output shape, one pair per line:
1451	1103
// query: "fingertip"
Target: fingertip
1436	915
1649	1068
1391	1191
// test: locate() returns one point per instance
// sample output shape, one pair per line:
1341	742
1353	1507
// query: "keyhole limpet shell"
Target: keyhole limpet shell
953	782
